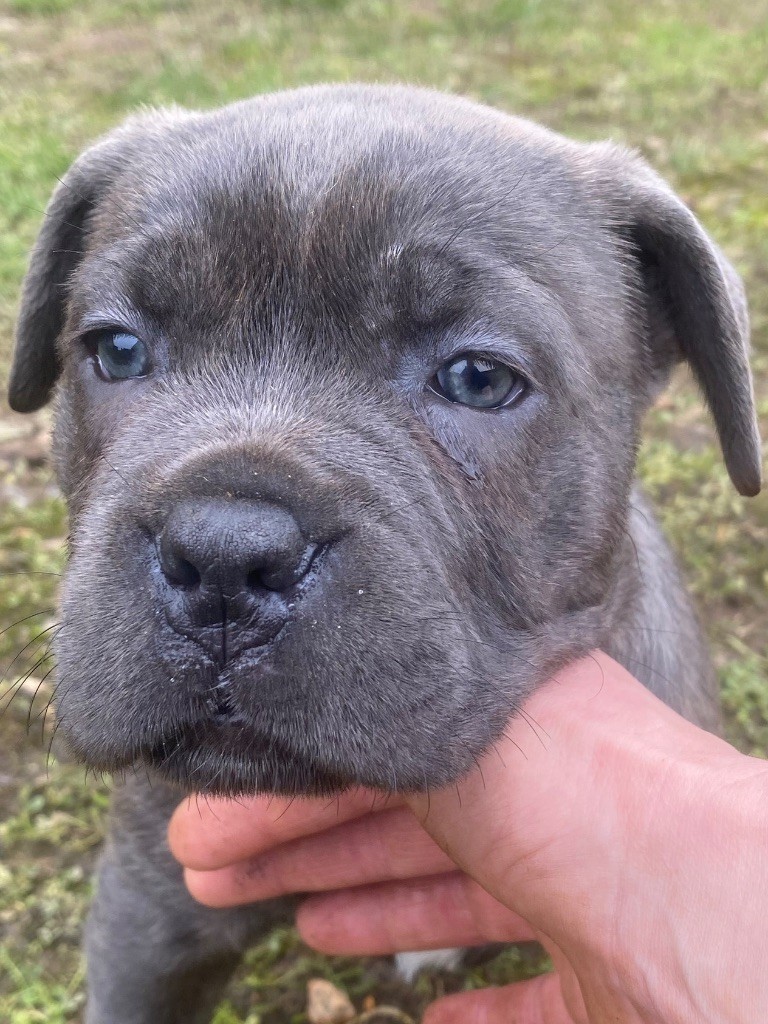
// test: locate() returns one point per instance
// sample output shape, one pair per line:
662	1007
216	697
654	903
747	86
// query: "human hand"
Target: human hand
604	825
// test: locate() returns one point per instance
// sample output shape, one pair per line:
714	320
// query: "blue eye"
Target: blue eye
478	381
121	355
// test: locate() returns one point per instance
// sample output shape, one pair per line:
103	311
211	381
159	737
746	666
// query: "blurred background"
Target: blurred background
684	82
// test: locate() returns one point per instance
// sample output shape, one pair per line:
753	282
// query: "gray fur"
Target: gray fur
301	264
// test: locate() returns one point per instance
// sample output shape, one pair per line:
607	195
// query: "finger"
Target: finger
538	1001
205	834
425	913
374	848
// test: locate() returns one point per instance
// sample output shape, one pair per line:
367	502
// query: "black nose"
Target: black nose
231	549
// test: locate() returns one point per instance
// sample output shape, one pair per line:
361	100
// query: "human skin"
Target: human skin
626	840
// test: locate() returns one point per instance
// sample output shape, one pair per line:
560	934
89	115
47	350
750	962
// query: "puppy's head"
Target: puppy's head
348	391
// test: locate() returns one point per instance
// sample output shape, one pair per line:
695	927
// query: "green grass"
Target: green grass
686	82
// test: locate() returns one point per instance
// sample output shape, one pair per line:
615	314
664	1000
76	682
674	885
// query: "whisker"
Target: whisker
26	647
400	508
497	752
496	647
631	539
509	739
114	470
49	753
551	248
26	618
25	675
602	673
478	217
48	704
18	685
480	769
649	668
27	572
34	696
44	713
534	725
429	800
286	809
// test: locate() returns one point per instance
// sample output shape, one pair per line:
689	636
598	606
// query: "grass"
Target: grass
685	81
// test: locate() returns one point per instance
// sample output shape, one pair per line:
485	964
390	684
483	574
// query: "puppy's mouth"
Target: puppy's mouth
227	757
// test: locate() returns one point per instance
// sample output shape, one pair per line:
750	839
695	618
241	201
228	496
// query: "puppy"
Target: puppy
349	387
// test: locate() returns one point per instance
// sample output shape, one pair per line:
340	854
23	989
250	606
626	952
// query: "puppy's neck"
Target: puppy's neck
650	625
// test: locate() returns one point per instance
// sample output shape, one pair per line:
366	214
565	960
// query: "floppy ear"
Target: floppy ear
697	307
60	247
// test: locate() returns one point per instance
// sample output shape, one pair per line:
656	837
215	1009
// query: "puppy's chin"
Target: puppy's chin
227	757
232	761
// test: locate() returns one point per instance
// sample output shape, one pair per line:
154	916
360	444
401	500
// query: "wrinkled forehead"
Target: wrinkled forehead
372	248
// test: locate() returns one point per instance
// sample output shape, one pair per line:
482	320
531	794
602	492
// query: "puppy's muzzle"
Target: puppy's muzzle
231	571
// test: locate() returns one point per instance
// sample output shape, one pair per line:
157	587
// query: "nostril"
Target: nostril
187	574
180	572
271	578
255	581
284	572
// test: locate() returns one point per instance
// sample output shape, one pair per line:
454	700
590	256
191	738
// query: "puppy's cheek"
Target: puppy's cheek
115	691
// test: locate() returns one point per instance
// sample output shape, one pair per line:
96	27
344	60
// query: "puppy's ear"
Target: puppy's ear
696	306
59	248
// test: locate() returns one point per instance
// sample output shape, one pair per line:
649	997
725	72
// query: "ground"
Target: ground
686	82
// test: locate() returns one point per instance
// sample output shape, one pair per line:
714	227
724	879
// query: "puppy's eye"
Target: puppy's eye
120	355
479	381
